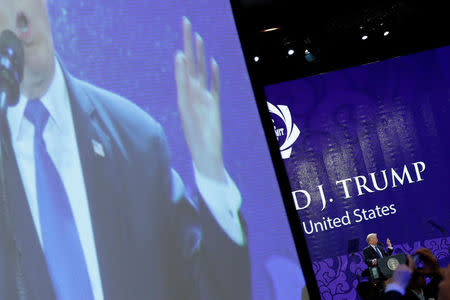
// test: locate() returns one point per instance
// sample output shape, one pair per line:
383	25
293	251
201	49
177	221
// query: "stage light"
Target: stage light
270	29
307	52
364	37
310	57
256	58
291	52
386	33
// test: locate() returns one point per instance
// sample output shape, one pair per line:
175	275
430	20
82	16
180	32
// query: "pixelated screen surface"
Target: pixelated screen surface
128	48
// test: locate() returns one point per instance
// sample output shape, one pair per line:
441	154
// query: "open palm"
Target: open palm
199	105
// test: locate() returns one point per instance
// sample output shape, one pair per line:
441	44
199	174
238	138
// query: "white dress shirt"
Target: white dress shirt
224	201
376	250
420	295
393	286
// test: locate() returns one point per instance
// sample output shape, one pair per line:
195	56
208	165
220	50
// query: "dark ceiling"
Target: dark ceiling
329	35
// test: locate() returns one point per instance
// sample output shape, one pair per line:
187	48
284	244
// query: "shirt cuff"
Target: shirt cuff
394	287
224	202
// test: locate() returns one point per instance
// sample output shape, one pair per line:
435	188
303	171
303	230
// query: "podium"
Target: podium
387	265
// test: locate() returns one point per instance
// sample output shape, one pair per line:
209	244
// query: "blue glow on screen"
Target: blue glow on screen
128	47
380	117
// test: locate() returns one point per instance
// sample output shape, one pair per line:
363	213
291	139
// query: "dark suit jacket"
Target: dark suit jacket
430	291
409	295
391	296
152	242
369	254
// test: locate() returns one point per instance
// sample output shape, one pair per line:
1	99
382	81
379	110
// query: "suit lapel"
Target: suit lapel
100	157
375	254
99	160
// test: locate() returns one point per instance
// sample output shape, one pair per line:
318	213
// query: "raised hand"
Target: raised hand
403	273
199	105
444	286
388	243
431	266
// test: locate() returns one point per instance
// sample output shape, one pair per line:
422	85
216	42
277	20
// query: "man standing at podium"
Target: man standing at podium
373	251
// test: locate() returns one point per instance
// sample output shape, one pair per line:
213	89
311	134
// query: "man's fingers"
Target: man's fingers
424	252
201	60
446	273
426	255
188	49
410	263
192	67
215	81
180	75
402	275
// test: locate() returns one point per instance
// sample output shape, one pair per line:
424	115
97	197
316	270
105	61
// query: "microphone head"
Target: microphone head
12	63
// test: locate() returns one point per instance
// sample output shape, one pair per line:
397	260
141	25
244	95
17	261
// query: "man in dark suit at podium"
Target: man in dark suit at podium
373	251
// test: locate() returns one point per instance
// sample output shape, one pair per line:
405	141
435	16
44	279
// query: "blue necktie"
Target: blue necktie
379	252
61	242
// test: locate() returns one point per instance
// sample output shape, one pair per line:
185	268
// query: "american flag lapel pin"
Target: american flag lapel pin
98	148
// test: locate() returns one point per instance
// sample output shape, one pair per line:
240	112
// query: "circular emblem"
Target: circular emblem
291	133
393	263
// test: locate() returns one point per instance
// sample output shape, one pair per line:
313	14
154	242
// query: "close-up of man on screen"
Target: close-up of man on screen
95	210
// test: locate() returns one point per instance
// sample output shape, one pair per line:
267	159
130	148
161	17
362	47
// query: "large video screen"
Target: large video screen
366	151
139	169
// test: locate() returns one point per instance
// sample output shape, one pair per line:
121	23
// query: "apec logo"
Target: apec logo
288	130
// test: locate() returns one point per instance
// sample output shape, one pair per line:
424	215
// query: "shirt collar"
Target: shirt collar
418	294
55	100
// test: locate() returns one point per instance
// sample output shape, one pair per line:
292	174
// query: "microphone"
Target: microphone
380	243
436	226
11	68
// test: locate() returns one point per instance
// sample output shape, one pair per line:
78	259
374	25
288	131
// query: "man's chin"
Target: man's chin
39	60
38	76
